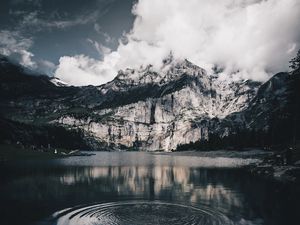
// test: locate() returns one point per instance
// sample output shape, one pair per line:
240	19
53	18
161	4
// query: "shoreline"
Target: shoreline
279	173
14	152
257	162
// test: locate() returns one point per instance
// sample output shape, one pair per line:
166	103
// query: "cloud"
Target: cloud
15	45
82	70
101	49
17	42
107	37
35	20
250	39
45	67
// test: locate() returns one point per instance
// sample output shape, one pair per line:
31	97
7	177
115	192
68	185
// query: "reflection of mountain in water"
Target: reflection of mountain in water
181	183
37	190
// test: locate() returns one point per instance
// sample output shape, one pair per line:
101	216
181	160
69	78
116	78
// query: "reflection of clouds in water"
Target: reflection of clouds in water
187	184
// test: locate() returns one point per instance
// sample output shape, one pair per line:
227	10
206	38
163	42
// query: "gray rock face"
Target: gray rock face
177	104
144	109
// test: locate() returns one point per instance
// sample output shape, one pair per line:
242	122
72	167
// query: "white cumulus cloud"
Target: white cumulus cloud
14	44
17	47
251	38
82	70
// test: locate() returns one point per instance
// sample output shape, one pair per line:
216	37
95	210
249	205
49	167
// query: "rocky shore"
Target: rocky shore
279	167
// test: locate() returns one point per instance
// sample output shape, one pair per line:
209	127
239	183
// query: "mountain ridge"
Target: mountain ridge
145	109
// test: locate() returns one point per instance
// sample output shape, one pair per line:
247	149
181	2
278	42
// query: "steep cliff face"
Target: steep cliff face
144	109
158	110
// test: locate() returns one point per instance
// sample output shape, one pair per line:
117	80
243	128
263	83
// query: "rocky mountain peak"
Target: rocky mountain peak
182	67
144	108
170	71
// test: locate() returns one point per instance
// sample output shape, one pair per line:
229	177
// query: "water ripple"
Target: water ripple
139	212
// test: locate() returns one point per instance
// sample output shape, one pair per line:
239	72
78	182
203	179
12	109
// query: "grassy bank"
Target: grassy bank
10	152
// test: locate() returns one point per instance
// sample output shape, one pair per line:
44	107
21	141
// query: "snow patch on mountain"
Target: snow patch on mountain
58	82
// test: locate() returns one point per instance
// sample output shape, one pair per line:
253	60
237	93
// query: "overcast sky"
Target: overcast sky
87	42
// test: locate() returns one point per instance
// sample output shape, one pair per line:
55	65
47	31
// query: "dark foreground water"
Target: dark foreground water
142	188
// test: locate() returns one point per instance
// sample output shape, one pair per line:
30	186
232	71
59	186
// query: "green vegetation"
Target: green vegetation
276	125
11	152
41	136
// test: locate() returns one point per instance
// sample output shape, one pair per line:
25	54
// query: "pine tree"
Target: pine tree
295	96
295	63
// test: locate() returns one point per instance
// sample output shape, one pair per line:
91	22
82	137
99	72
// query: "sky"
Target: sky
38	32
88	42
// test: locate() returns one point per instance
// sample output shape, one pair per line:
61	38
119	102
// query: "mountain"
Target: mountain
143	109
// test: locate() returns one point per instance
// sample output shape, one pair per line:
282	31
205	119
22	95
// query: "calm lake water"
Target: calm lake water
142	188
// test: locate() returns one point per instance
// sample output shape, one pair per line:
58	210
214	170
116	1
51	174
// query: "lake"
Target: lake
142	188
